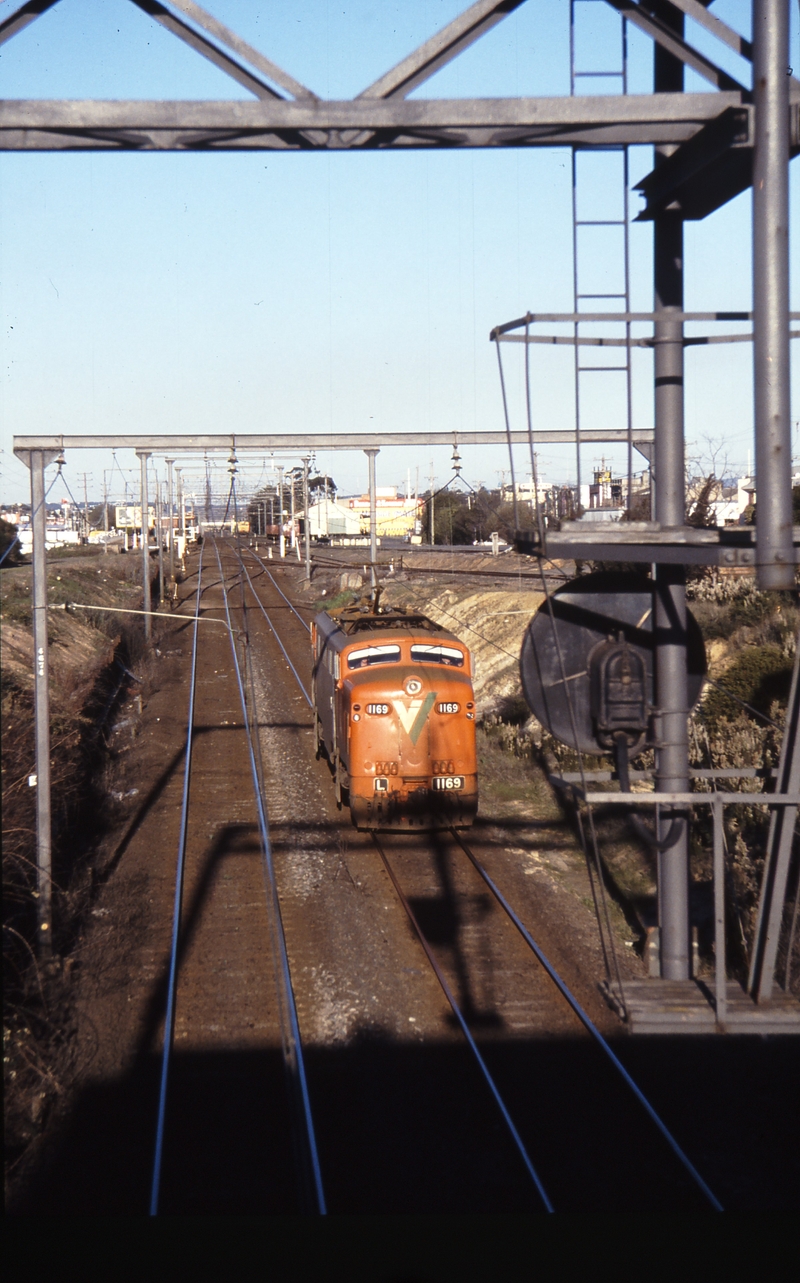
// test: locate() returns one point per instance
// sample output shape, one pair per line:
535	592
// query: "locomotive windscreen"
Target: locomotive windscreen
373	655
437	655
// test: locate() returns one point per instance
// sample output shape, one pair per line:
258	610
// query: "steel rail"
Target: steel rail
264	567
589	1025
169	1022
312	1154
260	605
466	1032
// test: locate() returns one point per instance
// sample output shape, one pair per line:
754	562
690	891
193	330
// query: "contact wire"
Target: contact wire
169	1022
591	1027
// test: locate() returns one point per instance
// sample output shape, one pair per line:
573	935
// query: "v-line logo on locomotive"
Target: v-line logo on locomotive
414	715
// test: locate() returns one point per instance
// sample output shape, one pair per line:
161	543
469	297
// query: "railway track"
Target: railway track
353	1021
242	919
418	866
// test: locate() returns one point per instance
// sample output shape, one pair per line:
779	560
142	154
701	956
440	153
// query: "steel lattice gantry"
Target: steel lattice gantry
708	147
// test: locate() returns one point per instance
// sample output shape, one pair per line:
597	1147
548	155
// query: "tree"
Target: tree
321	487
8	534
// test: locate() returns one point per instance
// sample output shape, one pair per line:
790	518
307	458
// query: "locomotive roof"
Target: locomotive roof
352	620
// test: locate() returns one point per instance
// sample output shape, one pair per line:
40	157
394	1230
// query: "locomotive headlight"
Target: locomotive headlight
413	686
356	717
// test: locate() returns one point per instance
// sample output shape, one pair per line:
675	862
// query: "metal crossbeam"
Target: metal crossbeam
269	441
275	124
648	542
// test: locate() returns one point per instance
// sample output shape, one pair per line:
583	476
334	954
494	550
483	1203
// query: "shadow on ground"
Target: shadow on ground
406	1128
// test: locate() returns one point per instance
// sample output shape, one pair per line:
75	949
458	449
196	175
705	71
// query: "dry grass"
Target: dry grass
85	682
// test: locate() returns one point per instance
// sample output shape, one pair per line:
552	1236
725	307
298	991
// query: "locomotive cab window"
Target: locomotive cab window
437	655
368	655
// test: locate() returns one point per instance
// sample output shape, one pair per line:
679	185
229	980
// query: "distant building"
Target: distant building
331	518
396	516
130	517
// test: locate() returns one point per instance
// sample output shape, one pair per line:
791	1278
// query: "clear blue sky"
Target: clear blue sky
330	292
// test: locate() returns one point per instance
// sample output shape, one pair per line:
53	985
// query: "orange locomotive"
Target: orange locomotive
395	715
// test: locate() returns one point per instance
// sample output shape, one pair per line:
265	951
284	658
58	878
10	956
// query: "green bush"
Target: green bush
758	676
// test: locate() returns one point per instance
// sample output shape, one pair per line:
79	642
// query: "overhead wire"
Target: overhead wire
601	904
39	505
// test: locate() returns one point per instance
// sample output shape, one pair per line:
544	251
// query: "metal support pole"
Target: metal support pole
292	532
41	698
307	522
774	549
281	535
373	516
181	511
160	535
672	774
720	946
778	855
171	530
143	456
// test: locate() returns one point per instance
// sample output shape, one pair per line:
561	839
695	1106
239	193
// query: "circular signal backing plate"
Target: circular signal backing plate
586	611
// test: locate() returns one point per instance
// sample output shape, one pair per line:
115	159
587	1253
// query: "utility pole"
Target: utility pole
282	537
672	719
771	55
160	536
143	456
373	516
37	461
105	505
430	507
307	521
179	514
171	527
84	475
292	532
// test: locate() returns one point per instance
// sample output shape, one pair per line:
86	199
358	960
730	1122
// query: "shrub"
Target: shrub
758	676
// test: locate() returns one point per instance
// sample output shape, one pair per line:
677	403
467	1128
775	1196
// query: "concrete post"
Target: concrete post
281	535
160	536
774	548
171	528
143	456
672	767
307	522
373	516
41	698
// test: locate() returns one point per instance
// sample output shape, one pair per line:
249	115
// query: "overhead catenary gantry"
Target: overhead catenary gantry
709	147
